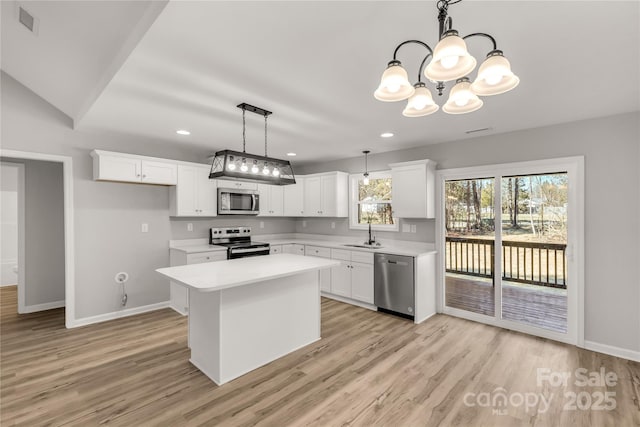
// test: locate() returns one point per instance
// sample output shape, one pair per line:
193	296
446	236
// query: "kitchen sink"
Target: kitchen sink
364	246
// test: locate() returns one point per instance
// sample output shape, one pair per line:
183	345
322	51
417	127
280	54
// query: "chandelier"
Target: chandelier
450	61
242	166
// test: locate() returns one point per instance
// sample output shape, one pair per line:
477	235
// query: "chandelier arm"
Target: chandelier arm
495	46
395	52
424	61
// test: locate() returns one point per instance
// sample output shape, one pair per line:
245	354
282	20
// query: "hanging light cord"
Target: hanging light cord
265	135
244	135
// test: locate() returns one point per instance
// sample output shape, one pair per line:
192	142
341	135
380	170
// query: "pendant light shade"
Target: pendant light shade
394	84
494	76
462	99
451	60
234	165
365	180
421	103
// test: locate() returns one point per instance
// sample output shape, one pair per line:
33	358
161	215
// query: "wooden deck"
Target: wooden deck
545	308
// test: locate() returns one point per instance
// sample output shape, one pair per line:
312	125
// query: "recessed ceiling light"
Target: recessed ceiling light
386	134
291	154
183	132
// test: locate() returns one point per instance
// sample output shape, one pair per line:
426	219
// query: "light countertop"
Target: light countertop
191	248
215	276
393	247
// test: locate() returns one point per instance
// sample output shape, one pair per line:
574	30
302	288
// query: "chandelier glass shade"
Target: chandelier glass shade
494	76
450	60
462	99
421	103
394	84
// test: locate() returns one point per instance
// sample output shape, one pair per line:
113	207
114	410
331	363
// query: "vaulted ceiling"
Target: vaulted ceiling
146	68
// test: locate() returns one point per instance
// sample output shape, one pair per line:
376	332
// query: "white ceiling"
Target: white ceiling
77	48
316	65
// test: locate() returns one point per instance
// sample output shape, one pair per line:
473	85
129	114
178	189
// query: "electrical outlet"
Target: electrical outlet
406	228
413	228
145	227
333	225
189	227
261	224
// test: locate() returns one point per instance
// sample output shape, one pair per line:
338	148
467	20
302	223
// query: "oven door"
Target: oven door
238	202
247	252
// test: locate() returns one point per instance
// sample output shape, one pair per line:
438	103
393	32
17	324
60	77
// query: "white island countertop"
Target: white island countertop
215	276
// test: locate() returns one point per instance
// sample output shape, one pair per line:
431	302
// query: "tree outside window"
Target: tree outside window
372	202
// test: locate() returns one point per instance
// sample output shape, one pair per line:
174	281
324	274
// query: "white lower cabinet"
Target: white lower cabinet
325	275
353	278
362	282
179	294
293	248
341	279
275	249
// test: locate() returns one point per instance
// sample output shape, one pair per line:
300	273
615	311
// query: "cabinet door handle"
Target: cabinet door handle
144	176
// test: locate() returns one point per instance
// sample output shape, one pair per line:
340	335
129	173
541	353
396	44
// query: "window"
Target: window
372	202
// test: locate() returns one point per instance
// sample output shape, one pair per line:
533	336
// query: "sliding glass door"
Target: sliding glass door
469	245
534	257
505	234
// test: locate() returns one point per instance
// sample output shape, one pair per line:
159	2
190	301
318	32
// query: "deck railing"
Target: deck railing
541	264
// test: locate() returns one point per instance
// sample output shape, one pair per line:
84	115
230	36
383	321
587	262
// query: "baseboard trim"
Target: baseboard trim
119	314
177	310
349	301
42	307
612	350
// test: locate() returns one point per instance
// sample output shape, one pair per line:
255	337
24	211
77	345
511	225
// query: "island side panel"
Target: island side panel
267	320
425	287
204	332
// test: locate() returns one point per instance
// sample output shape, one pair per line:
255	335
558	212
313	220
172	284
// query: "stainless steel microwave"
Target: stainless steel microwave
233	201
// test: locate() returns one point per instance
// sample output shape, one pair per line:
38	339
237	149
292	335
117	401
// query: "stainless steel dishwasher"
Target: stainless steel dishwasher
394	283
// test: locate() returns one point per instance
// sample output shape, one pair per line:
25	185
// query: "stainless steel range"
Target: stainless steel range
238	242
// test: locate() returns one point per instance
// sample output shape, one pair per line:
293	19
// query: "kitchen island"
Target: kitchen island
247	312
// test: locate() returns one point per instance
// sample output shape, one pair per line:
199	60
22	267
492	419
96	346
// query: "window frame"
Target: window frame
354	182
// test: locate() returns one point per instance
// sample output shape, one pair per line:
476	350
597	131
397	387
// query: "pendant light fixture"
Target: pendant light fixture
450	60
365	181
242	166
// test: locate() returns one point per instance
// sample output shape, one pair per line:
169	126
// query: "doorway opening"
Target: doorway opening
44	267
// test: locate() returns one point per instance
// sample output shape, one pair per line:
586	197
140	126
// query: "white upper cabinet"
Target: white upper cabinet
413	187
195	193
294	198
271	200
159	172
326	195
110	166
223	183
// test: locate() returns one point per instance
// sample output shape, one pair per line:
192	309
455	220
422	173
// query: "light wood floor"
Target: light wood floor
369	369
525	304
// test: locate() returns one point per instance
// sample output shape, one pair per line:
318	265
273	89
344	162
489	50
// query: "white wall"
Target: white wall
611	149
108	215
9	224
